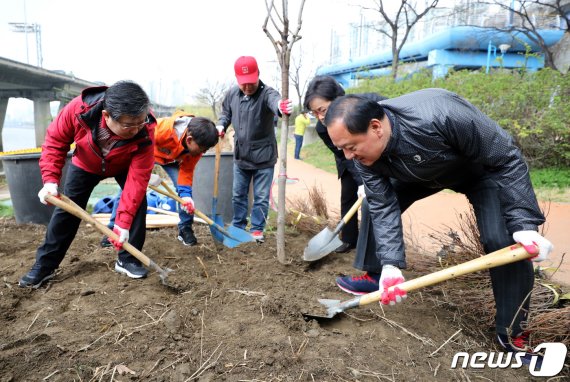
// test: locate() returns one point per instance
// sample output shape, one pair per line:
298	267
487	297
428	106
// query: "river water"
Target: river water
18	138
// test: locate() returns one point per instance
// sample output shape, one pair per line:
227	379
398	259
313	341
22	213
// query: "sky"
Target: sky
166	44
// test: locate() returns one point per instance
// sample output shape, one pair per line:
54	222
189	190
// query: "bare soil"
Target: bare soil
240	318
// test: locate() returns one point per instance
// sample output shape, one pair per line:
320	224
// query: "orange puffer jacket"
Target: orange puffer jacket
168	148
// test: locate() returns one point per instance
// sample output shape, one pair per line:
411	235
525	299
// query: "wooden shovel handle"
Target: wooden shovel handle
172	195
352	210
69	205
217	168
348	216
503	256
161	211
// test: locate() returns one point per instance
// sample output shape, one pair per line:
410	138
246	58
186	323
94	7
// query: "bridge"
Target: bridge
42	86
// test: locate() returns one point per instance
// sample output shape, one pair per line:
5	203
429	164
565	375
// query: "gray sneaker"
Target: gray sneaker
131	269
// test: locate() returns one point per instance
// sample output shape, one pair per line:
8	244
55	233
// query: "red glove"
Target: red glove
123	236
391	276
286	106
188	205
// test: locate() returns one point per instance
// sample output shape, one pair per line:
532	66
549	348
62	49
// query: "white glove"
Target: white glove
285	106
47	189
390	276
530	240
361	193
220	129
188	205
123	236
154	180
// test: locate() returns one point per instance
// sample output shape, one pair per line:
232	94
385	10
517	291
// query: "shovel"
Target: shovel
327	241
501	257
231	238
70	206
215	217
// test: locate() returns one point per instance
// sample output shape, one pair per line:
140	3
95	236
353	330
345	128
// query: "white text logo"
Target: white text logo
553	357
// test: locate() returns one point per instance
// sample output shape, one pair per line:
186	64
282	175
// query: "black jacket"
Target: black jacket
439	140
252	119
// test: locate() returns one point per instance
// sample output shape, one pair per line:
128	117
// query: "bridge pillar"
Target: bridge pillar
42	119
3	108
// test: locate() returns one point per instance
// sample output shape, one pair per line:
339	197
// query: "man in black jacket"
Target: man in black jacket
413	146
250	107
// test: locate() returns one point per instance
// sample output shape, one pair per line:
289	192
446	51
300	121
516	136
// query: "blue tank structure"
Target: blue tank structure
460	47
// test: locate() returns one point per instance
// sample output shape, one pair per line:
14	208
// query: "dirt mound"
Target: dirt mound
239	315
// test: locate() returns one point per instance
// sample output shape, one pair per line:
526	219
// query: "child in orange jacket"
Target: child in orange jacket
180	141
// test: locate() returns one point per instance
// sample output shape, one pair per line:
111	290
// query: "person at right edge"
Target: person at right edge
250	107
413	146
322	90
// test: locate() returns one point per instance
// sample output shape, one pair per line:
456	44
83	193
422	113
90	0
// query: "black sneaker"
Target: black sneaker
186	236
520	344
131	269
36	276
105	243
344	247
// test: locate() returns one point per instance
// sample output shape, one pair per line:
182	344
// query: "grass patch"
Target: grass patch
551	178
6	211
319	155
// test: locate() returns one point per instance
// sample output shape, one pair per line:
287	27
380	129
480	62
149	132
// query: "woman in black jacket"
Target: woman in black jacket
320	93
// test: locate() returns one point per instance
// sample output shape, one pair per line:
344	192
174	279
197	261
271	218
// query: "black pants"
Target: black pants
63	226
512	283
348	196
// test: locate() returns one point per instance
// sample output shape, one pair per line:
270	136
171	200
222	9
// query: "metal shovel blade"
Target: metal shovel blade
337	306
321	245
333	307
327	241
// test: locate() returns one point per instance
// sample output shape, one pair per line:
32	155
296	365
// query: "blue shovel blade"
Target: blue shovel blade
239	234
217	235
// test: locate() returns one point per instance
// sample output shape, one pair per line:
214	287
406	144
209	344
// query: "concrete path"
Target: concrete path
435	213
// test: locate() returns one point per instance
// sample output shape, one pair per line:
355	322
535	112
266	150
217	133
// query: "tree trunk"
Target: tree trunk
282	179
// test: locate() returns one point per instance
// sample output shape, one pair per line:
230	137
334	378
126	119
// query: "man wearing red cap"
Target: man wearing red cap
250	107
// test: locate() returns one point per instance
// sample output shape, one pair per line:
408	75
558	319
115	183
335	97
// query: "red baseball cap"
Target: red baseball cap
246	70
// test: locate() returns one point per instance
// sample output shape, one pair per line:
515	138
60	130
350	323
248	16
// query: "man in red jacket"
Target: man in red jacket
113	130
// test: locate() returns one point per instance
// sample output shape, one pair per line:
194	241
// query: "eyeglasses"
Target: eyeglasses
134	126
320	111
